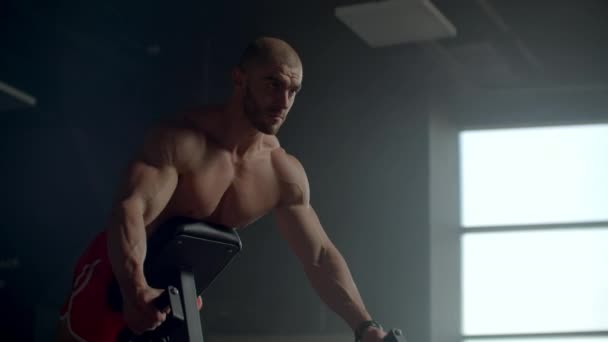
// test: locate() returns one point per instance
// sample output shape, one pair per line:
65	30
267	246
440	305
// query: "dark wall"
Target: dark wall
98	89
359	127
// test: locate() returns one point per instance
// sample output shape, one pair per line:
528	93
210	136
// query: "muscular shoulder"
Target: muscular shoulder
178	142
292	179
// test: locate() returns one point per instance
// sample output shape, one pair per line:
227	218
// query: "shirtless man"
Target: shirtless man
223	165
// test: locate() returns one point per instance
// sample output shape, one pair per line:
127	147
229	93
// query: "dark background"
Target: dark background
103	71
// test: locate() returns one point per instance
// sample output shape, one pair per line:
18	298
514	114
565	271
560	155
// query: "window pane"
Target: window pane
535	281
534	175
544	339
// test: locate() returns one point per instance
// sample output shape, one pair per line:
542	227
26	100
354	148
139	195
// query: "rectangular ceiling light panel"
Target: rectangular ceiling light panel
392	22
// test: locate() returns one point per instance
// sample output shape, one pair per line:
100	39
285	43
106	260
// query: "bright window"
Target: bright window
535	281
534	219
534	175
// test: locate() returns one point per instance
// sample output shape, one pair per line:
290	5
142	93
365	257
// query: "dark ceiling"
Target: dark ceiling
499	42
530	42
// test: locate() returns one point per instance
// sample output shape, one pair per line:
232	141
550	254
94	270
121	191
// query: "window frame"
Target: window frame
449	116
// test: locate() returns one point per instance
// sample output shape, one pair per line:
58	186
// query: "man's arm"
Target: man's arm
149	185
323	264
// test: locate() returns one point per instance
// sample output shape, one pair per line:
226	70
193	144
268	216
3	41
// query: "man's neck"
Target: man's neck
236	133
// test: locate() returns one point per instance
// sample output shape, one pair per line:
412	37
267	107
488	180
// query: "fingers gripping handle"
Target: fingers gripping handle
169	298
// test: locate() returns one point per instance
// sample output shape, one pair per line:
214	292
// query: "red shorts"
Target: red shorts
87	312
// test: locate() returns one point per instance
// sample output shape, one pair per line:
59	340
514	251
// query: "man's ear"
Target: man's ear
238	77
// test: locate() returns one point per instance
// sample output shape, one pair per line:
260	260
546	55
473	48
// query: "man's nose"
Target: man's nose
283	99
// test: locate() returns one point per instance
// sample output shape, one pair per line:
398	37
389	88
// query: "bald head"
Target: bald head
268	50
266	81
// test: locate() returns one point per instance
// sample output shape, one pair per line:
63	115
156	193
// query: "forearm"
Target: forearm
334	283
127	246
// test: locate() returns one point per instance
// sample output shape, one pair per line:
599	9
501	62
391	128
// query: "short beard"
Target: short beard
255	115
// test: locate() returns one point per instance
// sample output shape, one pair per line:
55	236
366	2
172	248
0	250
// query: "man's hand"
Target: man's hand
373	334
139	311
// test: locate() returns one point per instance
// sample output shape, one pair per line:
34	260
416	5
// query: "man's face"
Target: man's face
269	93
